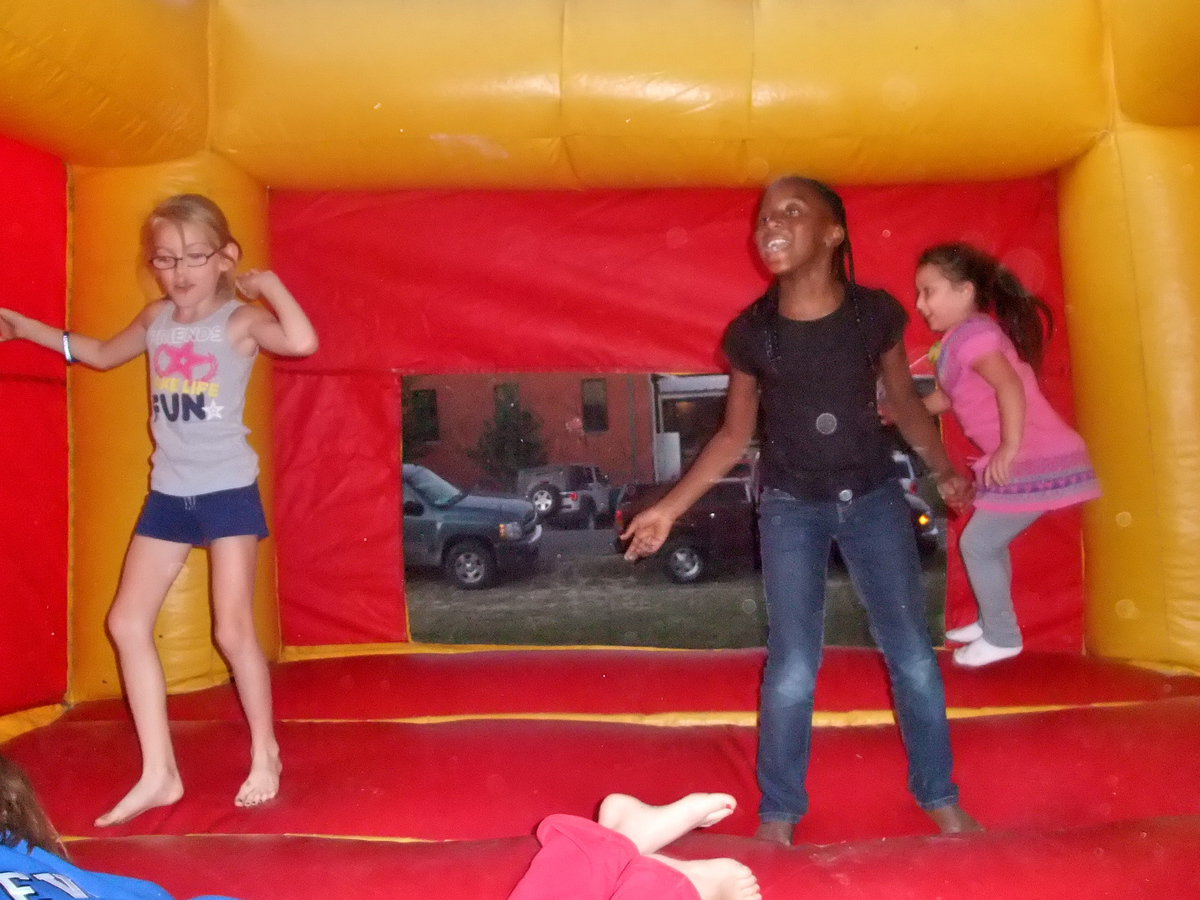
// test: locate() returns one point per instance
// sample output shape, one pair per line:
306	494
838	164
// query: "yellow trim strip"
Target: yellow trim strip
738	718
18	723
328	651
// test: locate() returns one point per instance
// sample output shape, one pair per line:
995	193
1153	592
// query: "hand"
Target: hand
8	324
999	467
647	532
957	491
936	402
254	283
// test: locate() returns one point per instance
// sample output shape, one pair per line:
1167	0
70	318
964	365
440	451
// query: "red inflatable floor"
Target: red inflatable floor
1106	787
645	682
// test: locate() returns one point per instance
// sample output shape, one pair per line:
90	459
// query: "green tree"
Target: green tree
512	440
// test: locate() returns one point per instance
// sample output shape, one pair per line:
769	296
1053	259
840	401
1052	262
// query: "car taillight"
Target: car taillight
573	496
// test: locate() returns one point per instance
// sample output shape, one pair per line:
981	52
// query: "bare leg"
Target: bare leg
716	879
233	563
653	827
953	819
151	565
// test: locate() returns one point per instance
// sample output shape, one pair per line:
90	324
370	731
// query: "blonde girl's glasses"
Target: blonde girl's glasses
191	260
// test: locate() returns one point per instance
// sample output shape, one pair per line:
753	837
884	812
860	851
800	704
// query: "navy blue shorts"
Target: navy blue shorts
202	519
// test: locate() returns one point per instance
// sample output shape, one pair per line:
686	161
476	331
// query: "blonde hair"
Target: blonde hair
21	815
198	210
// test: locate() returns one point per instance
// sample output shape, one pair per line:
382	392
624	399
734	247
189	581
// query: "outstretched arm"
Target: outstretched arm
287	332
650	528
919	428
120	348
997	371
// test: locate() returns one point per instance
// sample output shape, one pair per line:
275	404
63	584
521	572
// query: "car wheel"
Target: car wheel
471	565
545	499
684	562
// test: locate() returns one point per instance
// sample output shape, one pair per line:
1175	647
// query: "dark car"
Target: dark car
722	527
468	536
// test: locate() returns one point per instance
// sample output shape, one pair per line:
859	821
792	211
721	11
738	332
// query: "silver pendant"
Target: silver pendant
827	423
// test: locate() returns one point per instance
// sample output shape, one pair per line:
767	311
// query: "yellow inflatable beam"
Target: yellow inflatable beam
232	97
561	93
624	92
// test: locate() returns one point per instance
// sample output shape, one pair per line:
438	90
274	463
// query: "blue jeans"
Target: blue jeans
875	537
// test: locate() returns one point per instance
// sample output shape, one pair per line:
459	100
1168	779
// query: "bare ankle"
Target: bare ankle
776	832
953	819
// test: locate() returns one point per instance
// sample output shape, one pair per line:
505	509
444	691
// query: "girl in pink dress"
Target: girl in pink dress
1032	461
616	857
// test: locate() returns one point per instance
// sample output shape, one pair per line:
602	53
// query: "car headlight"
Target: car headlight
511	531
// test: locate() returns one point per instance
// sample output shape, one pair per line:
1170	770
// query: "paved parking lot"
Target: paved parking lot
582	592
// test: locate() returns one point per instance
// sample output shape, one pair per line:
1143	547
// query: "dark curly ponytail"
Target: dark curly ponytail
1024	317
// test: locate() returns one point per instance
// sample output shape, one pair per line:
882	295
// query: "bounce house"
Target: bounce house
469	186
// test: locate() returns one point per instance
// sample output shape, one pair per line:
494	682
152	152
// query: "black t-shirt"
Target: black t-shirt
822	433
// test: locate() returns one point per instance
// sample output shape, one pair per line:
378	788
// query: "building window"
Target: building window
507	395
595	404
421	417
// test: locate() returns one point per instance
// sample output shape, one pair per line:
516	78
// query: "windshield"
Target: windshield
432	488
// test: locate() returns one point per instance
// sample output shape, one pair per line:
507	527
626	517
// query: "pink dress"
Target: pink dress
1052	468
582	860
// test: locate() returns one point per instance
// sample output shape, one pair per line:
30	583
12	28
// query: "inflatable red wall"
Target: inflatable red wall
33	438
604	281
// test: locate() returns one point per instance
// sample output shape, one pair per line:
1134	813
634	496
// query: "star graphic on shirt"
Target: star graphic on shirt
213	412
184	361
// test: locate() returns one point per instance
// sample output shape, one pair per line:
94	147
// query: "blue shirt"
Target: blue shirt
38	875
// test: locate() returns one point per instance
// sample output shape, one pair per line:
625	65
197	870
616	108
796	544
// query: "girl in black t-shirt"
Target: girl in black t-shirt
811	351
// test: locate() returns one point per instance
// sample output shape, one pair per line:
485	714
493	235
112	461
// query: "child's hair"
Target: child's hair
21	815
193	209
1024	317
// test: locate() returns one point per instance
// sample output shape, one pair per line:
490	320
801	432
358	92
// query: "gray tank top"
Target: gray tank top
197	396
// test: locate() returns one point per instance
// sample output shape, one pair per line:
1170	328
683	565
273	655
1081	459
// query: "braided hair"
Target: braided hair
1021	315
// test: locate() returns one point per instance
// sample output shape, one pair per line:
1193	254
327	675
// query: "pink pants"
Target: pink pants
586	861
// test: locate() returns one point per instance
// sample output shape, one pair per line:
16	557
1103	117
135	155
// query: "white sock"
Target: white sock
981	653
965	634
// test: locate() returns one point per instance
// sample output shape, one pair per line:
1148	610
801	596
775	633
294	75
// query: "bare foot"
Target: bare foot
653	827
953	819
262	784
716	879
146	794
779	832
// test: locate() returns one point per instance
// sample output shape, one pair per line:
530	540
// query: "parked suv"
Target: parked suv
573	494
722	527
469	537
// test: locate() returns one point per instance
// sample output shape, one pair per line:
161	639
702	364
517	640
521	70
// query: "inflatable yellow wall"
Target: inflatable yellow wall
143	98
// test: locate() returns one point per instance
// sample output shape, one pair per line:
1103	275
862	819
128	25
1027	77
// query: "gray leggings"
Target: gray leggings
984	545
